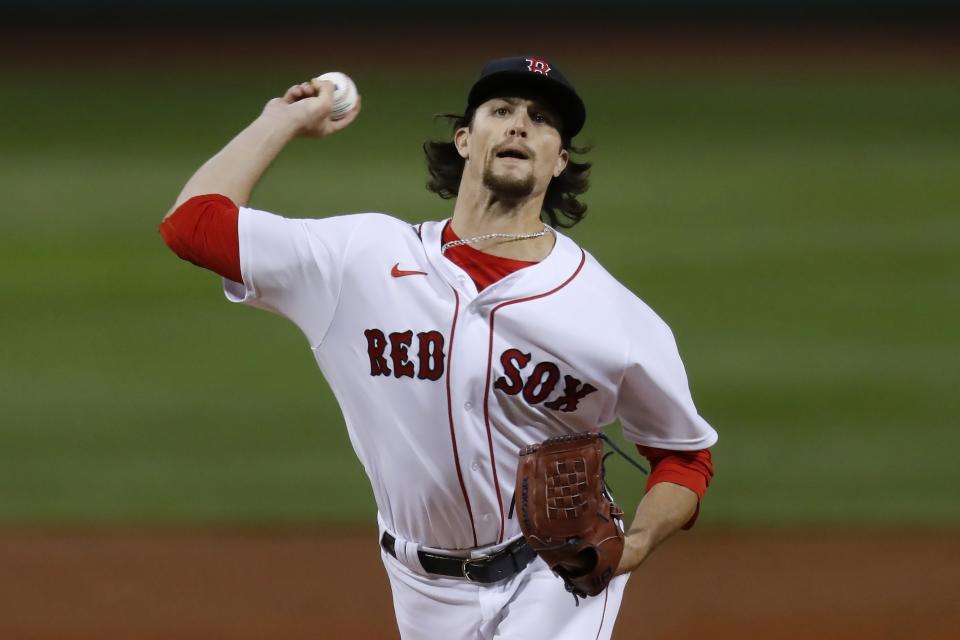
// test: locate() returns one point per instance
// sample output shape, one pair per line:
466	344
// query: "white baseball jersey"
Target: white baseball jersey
440	385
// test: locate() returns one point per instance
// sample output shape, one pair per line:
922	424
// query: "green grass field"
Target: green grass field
799	231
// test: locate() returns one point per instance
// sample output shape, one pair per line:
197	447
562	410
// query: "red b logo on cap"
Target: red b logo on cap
538	65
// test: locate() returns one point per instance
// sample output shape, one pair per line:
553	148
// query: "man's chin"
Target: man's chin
509	187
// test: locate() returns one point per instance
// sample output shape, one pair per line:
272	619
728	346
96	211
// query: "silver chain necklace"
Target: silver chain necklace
509	237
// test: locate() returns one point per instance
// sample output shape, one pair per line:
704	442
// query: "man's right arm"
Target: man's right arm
304	110
201	228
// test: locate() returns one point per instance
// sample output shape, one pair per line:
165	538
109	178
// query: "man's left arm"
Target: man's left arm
663	511
655	408
677	483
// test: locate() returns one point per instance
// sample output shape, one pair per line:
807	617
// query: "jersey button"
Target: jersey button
488	516
475	465
468	406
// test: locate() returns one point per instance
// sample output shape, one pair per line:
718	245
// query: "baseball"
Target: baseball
344	94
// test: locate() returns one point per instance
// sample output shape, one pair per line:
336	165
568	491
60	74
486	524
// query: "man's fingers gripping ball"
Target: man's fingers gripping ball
300	91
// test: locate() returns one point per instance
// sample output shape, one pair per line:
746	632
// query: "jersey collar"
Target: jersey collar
559	266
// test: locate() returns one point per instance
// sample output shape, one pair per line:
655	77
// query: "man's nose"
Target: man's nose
518	130
519	126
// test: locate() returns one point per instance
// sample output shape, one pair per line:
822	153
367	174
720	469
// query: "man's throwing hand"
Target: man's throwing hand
307	107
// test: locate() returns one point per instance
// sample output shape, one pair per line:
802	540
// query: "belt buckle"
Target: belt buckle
464	568
473	562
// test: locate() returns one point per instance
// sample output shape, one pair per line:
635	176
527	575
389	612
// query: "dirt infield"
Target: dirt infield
269	584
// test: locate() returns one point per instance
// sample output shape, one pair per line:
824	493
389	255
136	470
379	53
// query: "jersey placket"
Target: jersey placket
467	372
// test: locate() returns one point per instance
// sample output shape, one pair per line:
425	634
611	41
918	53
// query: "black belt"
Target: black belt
501	565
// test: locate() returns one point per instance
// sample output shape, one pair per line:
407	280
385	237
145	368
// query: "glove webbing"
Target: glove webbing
605	438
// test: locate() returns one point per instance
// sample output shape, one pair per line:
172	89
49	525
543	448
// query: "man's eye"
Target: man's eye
501	111
539	117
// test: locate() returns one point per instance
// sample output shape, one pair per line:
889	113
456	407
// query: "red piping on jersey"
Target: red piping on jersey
606	596
453	435
486	393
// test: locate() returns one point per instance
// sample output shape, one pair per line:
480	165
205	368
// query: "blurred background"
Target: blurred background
779	180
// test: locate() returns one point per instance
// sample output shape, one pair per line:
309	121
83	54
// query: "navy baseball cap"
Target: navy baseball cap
530	76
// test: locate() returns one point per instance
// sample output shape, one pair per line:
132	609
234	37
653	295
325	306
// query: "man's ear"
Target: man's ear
562	161
461	140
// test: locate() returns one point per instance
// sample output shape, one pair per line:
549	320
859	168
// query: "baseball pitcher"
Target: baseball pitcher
475	359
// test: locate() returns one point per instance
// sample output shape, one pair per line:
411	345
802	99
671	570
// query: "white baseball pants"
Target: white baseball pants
533	605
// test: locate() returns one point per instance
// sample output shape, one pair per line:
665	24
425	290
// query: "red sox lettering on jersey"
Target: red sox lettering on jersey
534	386
430	354
540	383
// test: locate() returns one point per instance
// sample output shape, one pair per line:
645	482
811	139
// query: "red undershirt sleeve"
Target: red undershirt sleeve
690	469
203	230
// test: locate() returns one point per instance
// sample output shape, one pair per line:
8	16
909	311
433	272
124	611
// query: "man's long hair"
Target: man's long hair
446	169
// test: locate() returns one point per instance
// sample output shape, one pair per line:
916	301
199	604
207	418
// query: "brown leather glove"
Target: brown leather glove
566	513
